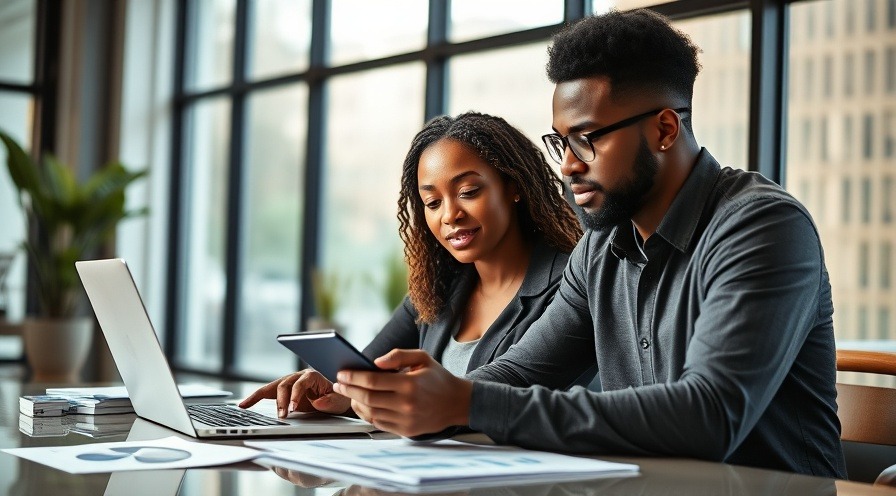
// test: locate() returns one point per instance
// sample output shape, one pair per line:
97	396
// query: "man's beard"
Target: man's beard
622	203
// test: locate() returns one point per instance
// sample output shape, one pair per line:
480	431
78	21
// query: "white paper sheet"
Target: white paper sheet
167	453
186	390
405	462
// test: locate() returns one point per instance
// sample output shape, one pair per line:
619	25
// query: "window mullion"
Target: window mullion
767	83
236	191
436	63
314	155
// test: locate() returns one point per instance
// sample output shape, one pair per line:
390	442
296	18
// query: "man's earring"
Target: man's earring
662	147
516	199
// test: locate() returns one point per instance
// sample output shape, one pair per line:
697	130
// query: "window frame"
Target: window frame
766	135
43	89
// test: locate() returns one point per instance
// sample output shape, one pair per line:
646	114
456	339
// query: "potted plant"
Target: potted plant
68	220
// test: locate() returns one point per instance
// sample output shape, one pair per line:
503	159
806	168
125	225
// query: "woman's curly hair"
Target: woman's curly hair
542	210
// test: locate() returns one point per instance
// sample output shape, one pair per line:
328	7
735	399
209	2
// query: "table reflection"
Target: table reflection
660	476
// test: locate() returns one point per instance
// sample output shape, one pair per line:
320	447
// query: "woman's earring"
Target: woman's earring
516	199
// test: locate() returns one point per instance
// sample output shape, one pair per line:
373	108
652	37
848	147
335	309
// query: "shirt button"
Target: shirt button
645	343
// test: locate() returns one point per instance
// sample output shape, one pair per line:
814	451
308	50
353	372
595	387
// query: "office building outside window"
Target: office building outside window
859	158
721	92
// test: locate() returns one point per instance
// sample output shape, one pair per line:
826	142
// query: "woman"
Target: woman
487	235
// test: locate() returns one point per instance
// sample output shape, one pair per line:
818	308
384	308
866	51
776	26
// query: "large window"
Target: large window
209	61
373	115
237	185
839	160
206	225
292	119
370	30
260	133
18	99
280	40
292	122
275	143
722	89
471	19
498	81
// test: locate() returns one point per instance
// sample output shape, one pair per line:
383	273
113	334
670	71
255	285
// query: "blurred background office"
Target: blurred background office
274	131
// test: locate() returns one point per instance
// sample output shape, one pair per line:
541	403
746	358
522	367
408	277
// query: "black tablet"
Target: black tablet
327	352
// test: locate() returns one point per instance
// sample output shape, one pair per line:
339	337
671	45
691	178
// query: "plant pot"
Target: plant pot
57	348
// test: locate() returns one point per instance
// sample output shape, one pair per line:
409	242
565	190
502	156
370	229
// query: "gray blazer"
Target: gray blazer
538	288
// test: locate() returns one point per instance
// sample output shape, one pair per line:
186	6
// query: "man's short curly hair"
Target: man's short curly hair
638	50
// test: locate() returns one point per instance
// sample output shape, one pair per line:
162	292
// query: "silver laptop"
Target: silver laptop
150	383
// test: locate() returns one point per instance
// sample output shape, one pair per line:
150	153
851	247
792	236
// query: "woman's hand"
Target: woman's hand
303	391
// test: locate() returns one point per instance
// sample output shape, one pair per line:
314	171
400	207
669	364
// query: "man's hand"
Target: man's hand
303	391
423	398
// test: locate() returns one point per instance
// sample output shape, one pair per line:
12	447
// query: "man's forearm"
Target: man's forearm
632	421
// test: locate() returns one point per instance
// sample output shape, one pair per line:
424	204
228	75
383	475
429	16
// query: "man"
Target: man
701	293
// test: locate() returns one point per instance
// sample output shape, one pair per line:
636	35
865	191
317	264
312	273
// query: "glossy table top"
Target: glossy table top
657	475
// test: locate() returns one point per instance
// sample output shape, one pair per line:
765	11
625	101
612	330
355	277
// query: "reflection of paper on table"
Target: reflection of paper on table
155	483
167	453
459	464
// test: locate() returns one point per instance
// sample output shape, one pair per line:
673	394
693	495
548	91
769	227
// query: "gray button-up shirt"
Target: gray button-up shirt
713	341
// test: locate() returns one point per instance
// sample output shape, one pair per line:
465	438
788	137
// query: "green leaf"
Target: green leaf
60	185
21	169
71	219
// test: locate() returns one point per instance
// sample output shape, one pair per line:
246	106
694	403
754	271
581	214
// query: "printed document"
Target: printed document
404	462
161	454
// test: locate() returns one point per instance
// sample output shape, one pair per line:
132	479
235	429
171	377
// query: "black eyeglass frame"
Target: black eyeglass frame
563	141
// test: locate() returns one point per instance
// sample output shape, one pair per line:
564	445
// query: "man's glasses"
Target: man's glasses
582	144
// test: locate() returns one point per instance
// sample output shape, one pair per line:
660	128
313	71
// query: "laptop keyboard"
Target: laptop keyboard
229	416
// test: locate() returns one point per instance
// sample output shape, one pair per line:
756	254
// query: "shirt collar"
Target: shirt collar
681	220
625	243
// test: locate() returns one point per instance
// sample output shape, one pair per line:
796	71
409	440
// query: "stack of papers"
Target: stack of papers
100	425
99	405
99	400
96	426
43	405
43	426
446	465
